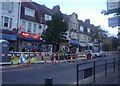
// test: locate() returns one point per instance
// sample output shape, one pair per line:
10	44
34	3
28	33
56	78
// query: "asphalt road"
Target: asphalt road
64	73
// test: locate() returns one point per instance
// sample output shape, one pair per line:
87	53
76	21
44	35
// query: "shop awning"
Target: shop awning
74	42
9	37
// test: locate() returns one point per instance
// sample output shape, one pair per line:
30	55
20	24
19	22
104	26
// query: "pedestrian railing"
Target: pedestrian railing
89	72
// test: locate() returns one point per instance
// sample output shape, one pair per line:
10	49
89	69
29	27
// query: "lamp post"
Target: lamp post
17	42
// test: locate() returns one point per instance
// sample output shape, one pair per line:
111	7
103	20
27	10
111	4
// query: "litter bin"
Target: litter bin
4	46
49	82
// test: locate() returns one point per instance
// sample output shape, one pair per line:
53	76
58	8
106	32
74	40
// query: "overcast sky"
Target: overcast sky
86	9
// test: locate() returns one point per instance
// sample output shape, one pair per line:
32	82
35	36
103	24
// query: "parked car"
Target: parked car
102	54
91	52
97	54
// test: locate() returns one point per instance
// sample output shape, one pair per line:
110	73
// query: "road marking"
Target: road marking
22	69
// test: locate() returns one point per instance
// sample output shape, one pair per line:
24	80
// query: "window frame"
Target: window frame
29	12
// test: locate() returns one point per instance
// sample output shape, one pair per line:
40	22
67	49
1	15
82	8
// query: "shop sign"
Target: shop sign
74	42
28	35
9	37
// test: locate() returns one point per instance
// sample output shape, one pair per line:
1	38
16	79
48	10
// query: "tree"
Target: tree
56	30
115	43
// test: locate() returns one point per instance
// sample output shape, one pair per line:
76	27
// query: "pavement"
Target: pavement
112	78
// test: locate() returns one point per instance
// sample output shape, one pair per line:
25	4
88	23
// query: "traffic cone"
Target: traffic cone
27	64
54	62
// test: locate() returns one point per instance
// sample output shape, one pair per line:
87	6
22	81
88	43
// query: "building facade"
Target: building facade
33	19
85	42
9	19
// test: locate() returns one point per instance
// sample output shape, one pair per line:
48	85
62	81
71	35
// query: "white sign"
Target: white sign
112	5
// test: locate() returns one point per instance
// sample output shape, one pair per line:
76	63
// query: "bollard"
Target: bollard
105	68
44	59
49	82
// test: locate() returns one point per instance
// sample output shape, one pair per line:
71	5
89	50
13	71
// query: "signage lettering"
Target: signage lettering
28	35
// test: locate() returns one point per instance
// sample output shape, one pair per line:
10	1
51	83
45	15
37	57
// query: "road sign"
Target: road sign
114	21
113	6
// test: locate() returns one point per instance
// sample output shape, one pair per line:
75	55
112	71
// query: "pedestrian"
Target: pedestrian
89	55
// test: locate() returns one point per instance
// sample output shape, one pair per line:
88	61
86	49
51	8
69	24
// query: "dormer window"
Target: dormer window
81	28
88	30
47	17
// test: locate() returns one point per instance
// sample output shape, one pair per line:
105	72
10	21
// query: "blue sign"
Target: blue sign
114	21
76	42
9	37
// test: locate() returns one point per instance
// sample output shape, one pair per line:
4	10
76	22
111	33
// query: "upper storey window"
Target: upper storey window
29	12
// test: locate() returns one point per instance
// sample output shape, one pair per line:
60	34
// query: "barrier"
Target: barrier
45	57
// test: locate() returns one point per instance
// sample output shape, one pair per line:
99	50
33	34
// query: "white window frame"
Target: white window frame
88	30
81	28
9	22
29	12
47	17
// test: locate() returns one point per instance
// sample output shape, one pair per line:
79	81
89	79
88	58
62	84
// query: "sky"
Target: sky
85	9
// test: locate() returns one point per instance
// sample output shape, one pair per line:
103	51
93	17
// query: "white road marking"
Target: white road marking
22	69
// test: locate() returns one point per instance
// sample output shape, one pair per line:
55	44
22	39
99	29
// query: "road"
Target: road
64	73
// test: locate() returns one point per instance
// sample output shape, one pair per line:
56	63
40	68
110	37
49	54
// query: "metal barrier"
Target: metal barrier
40	57
46	57
89	72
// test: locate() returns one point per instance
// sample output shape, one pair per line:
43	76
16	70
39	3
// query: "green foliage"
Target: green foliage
115	43
99	34
56	30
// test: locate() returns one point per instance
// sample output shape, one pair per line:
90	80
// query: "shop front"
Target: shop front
29	42
82	46
73	46
12	41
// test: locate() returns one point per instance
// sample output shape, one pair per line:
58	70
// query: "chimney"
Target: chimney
56	8
87	21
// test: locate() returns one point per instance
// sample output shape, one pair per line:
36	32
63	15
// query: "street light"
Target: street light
17	43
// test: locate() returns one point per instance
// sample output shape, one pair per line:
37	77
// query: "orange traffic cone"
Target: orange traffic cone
54	62
27	64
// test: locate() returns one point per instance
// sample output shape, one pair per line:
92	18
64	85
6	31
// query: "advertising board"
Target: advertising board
113	6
